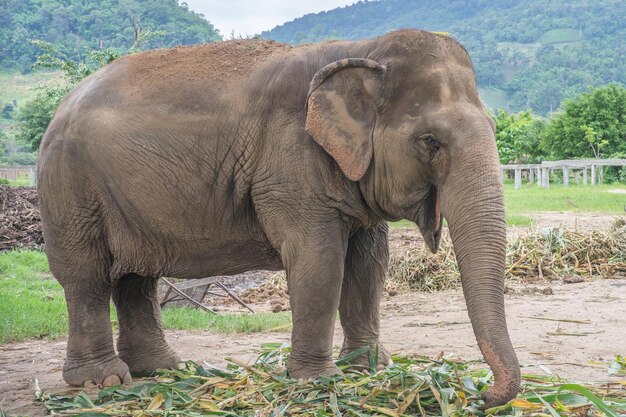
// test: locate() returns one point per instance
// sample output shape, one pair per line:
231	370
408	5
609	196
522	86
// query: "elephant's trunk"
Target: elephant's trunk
473	204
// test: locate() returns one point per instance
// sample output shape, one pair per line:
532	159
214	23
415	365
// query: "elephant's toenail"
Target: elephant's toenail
89	383
111	380
127	378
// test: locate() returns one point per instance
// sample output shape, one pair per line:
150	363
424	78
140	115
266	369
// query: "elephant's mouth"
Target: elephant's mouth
430	219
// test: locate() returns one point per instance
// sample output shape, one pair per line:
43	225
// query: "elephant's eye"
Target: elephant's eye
430	140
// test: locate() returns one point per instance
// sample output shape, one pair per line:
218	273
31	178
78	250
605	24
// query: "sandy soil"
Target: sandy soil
574	221
411	324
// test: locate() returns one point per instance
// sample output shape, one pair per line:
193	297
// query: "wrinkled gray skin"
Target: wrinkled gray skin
219	159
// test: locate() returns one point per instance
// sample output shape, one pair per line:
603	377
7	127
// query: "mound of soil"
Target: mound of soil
267	291
20	224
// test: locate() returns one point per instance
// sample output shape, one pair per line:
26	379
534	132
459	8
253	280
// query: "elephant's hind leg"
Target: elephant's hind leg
363	284
141	343
91	358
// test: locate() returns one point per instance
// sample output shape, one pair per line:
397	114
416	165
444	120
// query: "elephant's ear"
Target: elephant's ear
341	112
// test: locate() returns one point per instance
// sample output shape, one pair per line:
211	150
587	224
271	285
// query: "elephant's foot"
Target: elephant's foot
302	370
143	362
106	373
363	361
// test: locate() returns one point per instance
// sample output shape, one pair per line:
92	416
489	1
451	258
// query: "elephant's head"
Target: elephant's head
407	124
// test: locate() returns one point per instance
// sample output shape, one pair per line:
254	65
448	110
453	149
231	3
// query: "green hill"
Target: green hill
75	26
527	53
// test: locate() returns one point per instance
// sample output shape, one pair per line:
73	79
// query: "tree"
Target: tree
518	137
593	124
77	26
36	114
7	111
3	138
14	153
536	51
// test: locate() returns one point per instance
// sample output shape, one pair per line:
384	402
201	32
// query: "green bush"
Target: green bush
7	111
613	175
35	116
19	159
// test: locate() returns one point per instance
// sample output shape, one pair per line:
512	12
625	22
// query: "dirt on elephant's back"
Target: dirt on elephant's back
219	61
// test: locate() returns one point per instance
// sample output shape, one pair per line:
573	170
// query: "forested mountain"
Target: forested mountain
75	26
527	53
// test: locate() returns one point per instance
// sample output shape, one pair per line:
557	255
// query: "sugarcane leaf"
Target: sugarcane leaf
345	360
548	406
594	399
83	400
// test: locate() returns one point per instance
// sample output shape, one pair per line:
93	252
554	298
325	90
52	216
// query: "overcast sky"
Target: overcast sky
251	17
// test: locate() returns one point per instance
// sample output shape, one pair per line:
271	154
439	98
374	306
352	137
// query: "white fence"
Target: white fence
13	173
587	170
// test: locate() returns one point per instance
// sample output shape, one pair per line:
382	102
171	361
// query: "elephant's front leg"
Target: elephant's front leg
363	284
314	265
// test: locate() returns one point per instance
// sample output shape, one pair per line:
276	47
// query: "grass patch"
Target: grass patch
402	223
495	98
560	36
21	181
575	198
32	305
185	318
511	220
410	386
21	87
517	220
578	199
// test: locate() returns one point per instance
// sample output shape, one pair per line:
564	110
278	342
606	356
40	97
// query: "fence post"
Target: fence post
531	175
601	179
593	174
539	178
565	176
585	176
32	177
518	178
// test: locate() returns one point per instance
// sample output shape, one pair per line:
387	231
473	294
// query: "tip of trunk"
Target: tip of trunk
506	372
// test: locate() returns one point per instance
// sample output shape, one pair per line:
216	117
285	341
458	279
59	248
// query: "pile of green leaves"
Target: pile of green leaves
411	386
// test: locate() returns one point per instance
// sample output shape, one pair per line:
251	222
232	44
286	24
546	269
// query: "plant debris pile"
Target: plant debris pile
546	254
20	225
411	386
553	253
273	290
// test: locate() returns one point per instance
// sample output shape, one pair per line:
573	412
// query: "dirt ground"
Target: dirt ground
417	323
574	221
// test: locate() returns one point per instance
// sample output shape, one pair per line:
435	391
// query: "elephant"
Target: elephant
221	158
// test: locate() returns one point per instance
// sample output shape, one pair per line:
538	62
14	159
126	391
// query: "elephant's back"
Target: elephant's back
159	85
220	62
185	78
188	77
